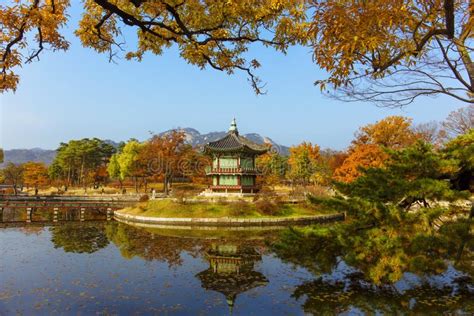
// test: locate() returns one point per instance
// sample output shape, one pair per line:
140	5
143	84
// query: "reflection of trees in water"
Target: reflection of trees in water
79	238
317	253
382	254
329	298
231	261
32	230
322	250
138	242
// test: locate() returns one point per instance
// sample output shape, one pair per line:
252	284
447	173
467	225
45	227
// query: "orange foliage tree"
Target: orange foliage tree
330	161
392	132
35	174
361	156
164	156
367	149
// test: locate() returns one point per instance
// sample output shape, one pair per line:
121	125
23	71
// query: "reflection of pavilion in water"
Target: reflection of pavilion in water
231	271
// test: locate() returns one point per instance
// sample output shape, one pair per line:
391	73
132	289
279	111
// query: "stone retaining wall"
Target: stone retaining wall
225	221
48	198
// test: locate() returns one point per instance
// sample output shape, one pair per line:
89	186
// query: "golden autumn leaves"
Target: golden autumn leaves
211	33
27	28
308	164
388	51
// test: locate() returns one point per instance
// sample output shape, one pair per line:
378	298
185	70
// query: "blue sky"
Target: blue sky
80	94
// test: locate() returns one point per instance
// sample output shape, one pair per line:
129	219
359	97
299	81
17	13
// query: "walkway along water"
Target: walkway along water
43	209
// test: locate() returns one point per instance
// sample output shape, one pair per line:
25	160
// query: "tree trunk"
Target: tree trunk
165	185
466	59
81	179
68	176
136	184
463	242
461	42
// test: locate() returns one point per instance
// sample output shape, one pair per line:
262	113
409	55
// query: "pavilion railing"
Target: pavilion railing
210	170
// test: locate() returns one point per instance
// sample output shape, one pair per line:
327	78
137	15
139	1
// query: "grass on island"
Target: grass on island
241	209
237	234
114	189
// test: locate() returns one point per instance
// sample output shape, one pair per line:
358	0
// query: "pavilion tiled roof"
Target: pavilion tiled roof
233	142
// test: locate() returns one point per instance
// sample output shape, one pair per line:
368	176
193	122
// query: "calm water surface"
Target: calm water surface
114	268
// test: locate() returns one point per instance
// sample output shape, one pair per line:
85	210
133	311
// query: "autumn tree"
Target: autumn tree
207	33
113	169
399	220
302	162
459	122
128	161
329	162
391	132
193	165
430	132
35	174
367	149
2	155
13	175
392	52
273	168
165	156
461	151
79	162
360	156
389	52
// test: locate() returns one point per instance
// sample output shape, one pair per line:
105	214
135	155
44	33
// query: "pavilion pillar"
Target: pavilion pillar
55	214
29	213
110	213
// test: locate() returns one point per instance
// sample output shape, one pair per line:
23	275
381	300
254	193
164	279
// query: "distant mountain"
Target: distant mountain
196	139
25	155
112	143
46	156
193	137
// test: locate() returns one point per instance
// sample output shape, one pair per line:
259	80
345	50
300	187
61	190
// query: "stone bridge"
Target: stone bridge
59	208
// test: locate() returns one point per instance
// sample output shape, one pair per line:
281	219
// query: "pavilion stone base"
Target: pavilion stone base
223	194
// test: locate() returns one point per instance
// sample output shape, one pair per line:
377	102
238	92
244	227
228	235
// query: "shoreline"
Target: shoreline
229	221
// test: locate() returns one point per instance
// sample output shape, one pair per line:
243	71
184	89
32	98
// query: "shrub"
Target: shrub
241	208
317	190
144	198
181	196
267	207
222	201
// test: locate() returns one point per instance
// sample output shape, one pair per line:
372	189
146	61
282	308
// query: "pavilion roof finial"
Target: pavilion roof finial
233	126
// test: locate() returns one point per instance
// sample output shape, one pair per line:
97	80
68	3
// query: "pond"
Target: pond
114	268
